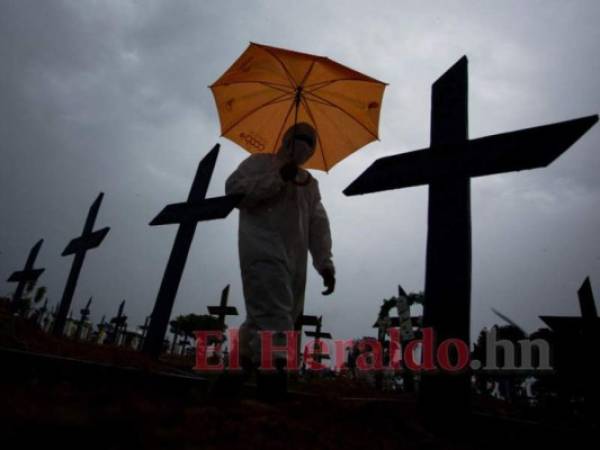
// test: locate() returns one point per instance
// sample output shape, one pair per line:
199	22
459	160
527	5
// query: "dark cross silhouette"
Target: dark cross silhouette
88	240
197	208
25	277
447	167
317	355
222	311
144	329
303	320
582	335
85	313
119	323
309	321
102	326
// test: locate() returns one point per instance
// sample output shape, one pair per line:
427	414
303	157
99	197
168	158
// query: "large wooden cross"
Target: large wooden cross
447	167
79	246
187	214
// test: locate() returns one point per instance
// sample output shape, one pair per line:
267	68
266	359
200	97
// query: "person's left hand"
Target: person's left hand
328	281
288	171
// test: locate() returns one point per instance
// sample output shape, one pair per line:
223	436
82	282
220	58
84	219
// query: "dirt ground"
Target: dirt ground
90	411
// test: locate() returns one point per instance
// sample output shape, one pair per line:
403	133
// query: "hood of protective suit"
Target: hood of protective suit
298	144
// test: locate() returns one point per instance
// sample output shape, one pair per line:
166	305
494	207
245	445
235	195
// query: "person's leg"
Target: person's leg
230	383
269	307
248	334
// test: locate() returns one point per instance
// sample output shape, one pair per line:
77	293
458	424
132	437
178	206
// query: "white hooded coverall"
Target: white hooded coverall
279	223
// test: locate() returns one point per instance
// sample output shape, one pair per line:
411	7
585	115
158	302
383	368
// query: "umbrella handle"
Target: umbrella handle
297	103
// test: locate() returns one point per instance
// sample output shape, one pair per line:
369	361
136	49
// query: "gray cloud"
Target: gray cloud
111	96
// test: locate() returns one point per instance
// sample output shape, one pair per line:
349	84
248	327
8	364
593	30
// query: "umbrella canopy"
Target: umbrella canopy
269	89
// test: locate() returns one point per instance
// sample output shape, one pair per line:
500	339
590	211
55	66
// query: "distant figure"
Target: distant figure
281	219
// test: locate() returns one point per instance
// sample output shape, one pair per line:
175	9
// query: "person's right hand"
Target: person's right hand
328	281
288	171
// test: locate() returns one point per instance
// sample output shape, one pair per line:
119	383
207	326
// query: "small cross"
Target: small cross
79	246
223	310
27	276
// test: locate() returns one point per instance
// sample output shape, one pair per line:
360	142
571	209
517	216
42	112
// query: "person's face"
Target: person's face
300	149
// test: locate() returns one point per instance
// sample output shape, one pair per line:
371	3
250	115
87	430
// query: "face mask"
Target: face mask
303	144
299	151
302	152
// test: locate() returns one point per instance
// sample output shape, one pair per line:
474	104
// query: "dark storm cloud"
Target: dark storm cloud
111	96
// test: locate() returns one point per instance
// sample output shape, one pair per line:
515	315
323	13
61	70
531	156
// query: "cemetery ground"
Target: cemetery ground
65	393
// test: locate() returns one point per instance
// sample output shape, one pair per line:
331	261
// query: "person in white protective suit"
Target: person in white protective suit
281	220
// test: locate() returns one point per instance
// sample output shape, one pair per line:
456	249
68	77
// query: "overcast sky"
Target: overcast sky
112	96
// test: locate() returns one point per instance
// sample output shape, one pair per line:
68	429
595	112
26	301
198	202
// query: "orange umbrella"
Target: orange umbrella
269	89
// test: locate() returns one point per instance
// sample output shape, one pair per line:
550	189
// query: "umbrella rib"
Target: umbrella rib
321	83
316	100
282	125
327	83
333	105
277	86
270	102
285	89
306	75
310	114
285	69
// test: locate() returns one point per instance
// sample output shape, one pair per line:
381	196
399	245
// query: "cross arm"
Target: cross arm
225	310
309	321
562	323
393	172
208	209
86	242
529	148
25	275
317	335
